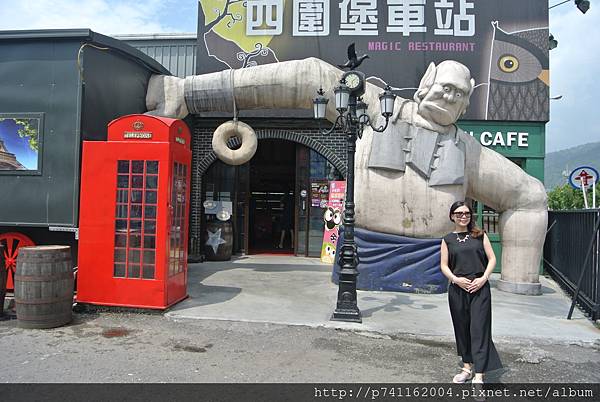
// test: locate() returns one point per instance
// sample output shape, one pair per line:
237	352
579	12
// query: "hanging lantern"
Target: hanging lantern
320	105
386	102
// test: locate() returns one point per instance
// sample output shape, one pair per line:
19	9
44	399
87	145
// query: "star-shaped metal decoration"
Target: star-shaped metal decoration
214	240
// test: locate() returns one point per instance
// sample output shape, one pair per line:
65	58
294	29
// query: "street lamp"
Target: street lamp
352	119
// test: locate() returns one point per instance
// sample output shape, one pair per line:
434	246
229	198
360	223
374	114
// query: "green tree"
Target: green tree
566	197
27	129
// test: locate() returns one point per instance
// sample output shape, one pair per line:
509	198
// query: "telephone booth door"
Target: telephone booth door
178	232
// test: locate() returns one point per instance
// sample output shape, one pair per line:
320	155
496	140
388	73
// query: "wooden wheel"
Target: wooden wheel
12	241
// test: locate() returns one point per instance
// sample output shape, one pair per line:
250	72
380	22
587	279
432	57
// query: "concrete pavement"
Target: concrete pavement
298	291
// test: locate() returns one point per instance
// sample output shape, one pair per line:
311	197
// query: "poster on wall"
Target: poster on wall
19	143
503	43
333	219
319	193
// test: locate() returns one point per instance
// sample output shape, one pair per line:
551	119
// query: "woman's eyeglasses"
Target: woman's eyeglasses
461	214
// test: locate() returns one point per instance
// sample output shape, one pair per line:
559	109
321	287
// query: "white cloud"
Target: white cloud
574	68
103	16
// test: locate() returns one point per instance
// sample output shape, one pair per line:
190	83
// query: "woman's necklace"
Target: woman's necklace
464	239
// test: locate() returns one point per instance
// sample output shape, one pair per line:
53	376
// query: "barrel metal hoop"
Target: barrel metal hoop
45	301
44	278
32	258
37	317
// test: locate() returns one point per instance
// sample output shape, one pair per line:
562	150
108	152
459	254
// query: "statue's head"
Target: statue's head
444	91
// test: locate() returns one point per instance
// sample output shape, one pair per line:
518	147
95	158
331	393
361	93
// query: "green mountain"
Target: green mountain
562	162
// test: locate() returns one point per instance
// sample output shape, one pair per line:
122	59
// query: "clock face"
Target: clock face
352	81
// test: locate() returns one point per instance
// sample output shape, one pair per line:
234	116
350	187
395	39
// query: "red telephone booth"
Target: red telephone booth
134	210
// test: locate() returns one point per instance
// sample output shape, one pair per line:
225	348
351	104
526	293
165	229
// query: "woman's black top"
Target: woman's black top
466	258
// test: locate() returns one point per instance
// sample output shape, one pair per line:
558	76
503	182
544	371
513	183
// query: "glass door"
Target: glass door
313	174
302	199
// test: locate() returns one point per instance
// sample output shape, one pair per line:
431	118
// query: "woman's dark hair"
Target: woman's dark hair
471	227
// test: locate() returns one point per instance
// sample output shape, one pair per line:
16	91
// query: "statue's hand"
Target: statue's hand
165	97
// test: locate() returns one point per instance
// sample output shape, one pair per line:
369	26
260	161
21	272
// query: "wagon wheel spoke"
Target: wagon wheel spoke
13	242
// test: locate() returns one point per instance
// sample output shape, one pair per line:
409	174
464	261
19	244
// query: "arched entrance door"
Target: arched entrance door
280	189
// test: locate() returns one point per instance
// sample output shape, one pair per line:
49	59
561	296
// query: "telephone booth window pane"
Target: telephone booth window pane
120	240
152	182
121	211
120	255
135	225
123	167
134	256
149	227
150	212
121	224
119	271
137	167
148	272
136	211
135	241
133	271
149	241
151	197
148	256
137	181
123	181
122	196
136	196
152	167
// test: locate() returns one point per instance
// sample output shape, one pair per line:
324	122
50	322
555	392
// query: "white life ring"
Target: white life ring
247	137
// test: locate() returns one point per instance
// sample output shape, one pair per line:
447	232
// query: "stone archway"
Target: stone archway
281	135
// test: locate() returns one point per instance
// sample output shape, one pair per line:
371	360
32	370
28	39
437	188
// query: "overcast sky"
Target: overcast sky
574	120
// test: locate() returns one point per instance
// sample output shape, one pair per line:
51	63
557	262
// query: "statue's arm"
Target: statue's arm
285	85
498	182
521	201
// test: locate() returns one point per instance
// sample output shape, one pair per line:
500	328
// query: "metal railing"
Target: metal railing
571	256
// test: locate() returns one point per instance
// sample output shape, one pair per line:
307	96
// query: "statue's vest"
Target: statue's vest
439	158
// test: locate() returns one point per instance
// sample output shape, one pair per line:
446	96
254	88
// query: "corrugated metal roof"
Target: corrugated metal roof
176	51
87	35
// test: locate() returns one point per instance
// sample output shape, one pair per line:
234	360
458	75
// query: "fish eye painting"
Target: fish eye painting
19	142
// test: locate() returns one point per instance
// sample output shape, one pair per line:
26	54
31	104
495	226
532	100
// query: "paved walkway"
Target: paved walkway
298	291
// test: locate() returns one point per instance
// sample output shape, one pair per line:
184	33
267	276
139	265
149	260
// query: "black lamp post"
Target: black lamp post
352	119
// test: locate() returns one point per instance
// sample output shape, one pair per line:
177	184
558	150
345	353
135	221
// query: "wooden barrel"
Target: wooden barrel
219	237
44	286
3	275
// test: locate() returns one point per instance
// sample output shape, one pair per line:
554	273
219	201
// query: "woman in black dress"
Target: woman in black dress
468	260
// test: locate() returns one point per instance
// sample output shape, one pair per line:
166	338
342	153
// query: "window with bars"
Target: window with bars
135	219
178	224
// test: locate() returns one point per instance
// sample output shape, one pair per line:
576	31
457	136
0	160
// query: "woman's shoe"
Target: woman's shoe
464	375
478	394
